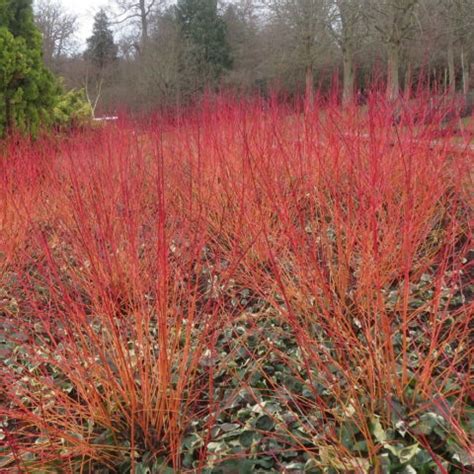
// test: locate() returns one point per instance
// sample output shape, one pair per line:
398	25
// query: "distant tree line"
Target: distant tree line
147	53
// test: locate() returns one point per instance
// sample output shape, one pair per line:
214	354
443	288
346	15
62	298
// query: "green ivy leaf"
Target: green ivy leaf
427	423
404	454
247	438
378	431
232	466
264	423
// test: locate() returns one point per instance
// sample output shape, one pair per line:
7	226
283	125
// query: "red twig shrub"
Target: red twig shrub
157	281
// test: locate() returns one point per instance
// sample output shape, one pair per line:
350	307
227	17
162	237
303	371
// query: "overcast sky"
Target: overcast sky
85	9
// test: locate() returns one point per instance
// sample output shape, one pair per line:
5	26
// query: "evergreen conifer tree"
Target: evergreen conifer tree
101	47
28	91
204	33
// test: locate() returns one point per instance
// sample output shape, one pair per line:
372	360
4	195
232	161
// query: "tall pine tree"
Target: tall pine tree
101	47
28	91
203	31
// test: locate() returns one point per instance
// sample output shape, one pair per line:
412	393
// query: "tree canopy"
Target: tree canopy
203	32
28	91
101	47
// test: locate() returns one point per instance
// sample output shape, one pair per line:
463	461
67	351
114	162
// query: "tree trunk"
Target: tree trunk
451	68
408	84
471	75
144	24
309	88
465	74
393	77
348	76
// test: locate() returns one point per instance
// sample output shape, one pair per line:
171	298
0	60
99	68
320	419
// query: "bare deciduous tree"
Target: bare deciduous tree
139	13
394	22
458	16
344	23
300	24
58	28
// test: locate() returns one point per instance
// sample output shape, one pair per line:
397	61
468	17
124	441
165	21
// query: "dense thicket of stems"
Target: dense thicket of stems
332	244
